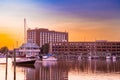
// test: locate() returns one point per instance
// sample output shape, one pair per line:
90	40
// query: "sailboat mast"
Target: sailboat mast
25	34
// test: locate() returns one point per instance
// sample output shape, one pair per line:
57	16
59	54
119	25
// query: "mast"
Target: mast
25	34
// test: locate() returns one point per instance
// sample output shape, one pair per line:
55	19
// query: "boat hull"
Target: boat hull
50	59
24	61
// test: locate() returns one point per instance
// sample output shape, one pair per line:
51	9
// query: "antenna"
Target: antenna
25	30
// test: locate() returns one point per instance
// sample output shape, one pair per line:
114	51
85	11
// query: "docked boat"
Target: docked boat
2	60
20	61
49	57
27	53
28	50
114	58
108	57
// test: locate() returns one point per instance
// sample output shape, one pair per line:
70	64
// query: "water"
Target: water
65	70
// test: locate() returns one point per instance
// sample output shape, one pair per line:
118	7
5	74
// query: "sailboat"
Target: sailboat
28	51
49	56
108	55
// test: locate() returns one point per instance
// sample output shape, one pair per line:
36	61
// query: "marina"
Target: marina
64	70
59	40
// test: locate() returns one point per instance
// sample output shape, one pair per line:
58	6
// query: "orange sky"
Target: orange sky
78	31
83	22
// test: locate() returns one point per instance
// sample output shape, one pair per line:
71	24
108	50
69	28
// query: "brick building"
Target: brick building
41	36
97	47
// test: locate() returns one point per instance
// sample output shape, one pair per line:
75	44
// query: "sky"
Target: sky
84	20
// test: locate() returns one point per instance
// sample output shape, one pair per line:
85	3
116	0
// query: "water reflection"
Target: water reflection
51	70
65	70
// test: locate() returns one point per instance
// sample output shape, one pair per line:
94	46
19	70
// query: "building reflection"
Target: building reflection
50	71
60	70
96	66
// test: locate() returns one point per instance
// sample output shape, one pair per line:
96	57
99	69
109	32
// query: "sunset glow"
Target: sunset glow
84	20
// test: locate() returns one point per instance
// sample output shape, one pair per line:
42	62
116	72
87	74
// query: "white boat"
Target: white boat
114	58
108	57
49	57
3	60
90	56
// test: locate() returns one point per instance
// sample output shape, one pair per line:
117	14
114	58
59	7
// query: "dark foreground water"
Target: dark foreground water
65	70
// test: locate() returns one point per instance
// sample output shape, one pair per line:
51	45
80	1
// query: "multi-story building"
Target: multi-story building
42	36
97	47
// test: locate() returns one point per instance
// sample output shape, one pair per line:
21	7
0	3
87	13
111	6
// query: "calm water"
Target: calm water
65	70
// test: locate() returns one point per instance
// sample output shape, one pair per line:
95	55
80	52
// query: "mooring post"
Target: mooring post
6	65
14	64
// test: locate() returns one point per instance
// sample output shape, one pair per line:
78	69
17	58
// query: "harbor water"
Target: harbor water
64	70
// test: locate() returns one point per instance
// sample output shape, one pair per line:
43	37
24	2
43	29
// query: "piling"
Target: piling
14	64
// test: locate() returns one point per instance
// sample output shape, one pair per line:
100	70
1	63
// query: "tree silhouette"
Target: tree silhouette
45	49
4	50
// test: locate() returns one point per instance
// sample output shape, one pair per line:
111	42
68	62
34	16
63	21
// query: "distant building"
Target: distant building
41	36
97	47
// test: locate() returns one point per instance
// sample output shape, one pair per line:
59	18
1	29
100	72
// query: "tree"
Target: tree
4	50
45	48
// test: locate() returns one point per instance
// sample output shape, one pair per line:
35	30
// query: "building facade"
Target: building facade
42	36
84	48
